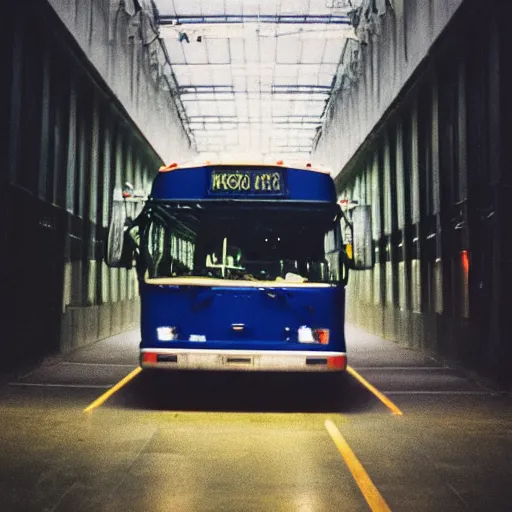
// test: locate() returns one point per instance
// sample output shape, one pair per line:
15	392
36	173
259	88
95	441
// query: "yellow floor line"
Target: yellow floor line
103	398
383	398
364	482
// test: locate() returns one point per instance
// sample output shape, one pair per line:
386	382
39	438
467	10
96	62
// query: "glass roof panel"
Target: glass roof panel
195	54
218	51
289	51
268	49
332	51
254	76
313	50
175	50
232	6
251	50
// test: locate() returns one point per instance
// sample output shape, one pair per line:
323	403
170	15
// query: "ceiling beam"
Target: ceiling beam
308	19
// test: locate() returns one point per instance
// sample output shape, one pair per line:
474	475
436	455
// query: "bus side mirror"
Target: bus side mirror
362	244
120	249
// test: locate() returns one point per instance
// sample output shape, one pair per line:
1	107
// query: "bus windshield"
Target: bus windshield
250	242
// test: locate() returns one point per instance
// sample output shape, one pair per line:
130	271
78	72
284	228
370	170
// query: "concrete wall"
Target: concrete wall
391	48
82	326
68	147
436	172
121	45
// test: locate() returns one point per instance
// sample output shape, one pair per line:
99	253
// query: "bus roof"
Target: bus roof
242	181
194	164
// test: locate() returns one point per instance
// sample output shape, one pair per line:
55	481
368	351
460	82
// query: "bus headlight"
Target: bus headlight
167	333
307	335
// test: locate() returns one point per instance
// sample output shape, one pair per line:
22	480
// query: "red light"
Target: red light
169	167
308	165
322	336
337	362
465	261
149	357
279	162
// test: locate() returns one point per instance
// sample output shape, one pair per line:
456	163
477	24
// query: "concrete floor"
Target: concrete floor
246	442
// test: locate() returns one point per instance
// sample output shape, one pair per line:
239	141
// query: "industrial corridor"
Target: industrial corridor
238	441
255	255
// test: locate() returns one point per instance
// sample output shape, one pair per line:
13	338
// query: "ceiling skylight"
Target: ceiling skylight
254	77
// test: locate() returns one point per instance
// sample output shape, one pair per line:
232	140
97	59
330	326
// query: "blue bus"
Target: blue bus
241	267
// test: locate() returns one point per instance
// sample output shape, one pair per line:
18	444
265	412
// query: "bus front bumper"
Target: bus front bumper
243	360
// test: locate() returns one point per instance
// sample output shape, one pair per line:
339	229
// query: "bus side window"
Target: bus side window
332	247
155	248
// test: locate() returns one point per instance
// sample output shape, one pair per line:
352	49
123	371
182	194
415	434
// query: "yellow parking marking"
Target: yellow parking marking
383	398
103	398
364	482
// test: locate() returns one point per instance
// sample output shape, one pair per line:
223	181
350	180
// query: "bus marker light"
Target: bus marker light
149	357
170	167
337	362
322	336
166	333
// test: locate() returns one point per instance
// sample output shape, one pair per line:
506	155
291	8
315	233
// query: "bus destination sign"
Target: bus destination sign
247	182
